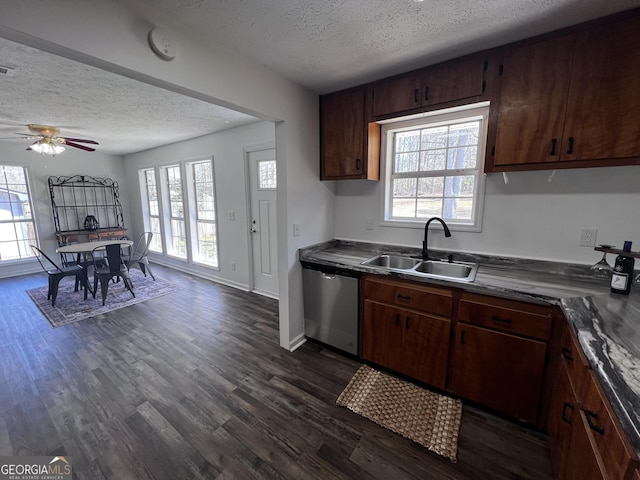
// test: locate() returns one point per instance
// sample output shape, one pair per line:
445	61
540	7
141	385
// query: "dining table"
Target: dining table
82	249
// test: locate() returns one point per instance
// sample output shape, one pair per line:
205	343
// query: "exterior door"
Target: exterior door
264	240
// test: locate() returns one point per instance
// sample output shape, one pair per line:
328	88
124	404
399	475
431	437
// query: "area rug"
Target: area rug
71	306
428	418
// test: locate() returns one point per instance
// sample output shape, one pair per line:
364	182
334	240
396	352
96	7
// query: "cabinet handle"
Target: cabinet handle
397	320
426	93
567	355
406	298
357	164
570	150
462	334
406	323
554	142
564	412
590	414
501	320
416	96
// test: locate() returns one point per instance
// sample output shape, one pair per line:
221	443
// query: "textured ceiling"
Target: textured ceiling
121	114
327	45
324	45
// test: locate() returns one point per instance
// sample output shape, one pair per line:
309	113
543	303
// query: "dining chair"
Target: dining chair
138	258
70	259
57	273
109	267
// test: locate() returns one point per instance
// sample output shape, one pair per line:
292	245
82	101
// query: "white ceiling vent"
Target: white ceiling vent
6	70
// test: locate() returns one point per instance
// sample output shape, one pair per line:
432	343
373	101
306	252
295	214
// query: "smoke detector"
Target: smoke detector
162	43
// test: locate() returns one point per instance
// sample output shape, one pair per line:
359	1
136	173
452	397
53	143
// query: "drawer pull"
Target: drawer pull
398	320
501	320
564	412
426	93
554	142
462	334
406	323
416	96
566	353
590	414
406	298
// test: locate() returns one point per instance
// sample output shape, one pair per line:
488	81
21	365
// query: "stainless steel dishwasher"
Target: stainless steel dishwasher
331	307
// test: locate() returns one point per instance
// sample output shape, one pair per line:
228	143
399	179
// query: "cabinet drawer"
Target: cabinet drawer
618	456
509	316
409	295
575	362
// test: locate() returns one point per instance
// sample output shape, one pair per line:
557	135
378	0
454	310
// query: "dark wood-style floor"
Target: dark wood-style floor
194	385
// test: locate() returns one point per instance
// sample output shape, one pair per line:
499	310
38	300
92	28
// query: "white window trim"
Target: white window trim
480	110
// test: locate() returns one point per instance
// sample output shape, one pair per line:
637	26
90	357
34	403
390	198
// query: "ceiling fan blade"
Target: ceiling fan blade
81	147
67	139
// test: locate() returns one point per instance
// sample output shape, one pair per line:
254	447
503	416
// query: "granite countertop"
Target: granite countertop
607	325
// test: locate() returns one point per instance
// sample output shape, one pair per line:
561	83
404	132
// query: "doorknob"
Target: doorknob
253	230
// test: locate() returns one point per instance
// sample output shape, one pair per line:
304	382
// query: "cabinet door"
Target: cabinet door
425	348
396	95
607	436
381	335
604	99
583	462
563	414
498	370
532	105
342	135
453	80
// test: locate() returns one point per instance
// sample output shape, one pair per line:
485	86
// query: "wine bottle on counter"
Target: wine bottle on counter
623	271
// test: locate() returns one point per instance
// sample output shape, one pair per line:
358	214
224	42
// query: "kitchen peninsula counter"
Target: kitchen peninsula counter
607	325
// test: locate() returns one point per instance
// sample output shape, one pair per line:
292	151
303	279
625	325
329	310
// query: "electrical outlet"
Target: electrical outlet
296	229
368	224
588	237
233	266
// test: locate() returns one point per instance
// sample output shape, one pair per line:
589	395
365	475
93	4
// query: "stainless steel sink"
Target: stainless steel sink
459	271
396	262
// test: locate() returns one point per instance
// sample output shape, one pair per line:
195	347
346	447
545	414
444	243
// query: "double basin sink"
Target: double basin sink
458	271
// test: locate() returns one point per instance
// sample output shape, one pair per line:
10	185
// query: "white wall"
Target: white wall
227	149
527	217
70	162
113	36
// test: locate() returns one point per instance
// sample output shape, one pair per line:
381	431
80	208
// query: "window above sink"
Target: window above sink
432	165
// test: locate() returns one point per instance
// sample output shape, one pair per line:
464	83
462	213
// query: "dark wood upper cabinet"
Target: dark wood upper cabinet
445	82
535	85
570	100
349	144
604	98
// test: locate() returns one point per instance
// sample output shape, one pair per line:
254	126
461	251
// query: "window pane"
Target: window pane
404	187
178	239
404	207
434	138
407	141
205	245
267	175
430	186
431	207
433	160
407	162
17	230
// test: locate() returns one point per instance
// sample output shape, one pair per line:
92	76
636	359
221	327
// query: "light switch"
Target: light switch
296	229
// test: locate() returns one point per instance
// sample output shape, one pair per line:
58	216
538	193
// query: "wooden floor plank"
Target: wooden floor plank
194	385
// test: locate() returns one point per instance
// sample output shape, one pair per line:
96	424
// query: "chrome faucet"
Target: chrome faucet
447	233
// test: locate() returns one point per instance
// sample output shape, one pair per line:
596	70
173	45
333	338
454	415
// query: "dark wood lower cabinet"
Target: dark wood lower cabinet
407	342
585	438
498	370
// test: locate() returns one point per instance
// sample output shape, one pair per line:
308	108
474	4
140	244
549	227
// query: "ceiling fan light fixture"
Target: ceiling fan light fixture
47	148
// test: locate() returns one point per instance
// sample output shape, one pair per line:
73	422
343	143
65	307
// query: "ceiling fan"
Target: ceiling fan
49	142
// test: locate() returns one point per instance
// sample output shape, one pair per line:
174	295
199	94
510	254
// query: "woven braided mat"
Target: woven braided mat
428	418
